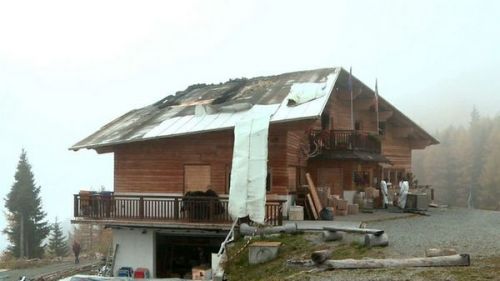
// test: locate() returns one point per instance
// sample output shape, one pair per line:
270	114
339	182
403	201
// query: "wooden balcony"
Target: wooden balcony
175	209
344	140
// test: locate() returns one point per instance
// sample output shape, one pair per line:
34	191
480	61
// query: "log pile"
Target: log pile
454	260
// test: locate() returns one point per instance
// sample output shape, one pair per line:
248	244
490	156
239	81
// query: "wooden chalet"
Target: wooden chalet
184	143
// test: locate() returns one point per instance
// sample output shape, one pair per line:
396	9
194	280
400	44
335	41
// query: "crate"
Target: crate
201	273
141	273
125	272
352	209
296	213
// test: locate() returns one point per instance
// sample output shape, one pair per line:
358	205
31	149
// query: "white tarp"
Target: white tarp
247	193
304	92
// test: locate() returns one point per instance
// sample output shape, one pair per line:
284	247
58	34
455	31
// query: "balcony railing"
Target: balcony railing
344	140
163	208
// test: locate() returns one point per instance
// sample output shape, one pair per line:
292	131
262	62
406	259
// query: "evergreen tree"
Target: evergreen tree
463	169
26	226
58	245
488	195
479	133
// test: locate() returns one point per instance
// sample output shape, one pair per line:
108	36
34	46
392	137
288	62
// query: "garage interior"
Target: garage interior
177	254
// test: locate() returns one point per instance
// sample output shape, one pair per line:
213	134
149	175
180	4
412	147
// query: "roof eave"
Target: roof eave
103	145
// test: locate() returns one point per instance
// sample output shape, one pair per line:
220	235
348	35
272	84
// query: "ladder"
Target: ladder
110	261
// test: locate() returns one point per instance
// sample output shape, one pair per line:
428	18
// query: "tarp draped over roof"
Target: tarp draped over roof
247	193
203	108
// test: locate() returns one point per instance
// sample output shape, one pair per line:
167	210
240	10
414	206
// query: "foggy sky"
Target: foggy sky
68	68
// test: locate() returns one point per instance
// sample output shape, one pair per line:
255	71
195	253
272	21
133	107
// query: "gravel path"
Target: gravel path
475	232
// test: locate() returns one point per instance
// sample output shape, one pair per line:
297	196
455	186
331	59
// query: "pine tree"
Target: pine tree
480	128
26	228
58	246
488	195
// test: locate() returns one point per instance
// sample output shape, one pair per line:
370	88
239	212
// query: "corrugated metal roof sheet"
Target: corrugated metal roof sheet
176	115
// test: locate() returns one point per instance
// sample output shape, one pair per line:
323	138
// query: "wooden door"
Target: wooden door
332	177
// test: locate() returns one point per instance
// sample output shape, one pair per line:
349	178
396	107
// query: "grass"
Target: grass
298	246
301	246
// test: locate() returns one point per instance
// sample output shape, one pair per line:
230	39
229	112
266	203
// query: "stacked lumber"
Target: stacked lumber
314	205
314	194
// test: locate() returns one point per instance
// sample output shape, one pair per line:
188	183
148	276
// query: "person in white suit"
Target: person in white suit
385	195
403	192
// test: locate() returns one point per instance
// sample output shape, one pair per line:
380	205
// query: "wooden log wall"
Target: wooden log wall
336	174
396	149
158	166
339	108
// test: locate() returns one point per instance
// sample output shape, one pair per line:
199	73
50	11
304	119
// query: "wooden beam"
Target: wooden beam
346	95
402	132
363	104
383	116
354	230
343	95
311	206
419	143
314	193
104	149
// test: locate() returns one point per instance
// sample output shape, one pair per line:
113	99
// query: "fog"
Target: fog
68	68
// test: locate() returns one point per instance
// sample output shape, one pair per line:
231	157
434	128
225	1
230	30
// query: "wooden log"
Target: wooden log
437	252
312	208
455	260
372	240
300	263
319	257
354	230
246	229
314	193
332	235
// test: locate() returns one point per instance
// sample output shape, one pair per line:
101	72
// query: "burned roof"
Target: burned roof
210	107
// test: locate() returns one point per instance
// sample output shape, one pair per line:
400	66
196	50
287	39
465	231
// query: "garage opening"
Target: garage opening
177	255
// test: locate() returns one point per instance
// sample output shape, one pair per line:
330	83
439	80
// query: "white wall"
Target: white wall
136	249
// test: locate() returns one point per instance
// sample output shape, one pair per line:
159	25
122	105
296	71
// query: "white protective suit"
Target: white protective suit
383	187
403	193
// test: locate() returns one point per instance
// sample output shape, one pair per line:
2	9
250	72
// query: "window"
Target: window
197	177
358	125
381	128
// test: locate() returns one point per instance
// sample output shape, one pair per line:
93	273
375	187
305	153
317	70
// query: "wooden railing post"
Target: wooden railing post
280	213
141	207
75	206
176	209
211	212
